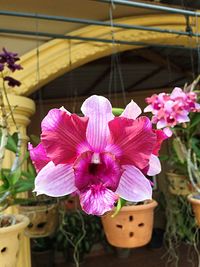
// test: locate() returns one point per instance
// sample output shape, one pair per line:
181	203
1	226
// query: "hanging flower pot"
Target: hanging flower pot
179	184
195	202
43	219
131	227
10	241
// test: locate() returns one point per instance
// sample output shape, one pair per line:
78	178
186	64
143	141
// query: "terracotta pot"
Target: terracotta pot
131	227
195	206
43	219
179	184
10	241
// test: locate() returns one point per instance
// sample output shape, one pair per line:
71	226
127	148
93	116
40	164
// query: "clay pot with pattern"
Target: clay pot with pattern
10	241
43	219
131	227
195	202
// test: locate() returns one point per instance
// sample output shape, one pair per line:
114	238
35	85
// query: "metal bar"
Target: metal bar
81	38
154	7
94	22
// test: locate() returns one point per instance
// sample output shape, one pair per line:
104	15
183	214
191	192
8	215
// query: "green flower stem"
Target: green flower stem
117	111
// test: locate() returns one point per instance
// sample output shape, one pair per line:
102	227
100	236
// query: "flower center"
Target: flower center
97	169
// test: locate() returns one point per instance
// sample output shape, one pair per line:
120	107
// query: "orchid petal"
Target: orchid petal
177	93
132	141
38	156
168	132
154	165
55	181
97	200
64	136
134	186
99	111
132	111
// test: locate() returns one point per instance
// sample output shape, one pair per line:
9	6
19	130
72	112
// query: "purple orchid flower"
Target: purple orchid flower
9	58
98	156
11	81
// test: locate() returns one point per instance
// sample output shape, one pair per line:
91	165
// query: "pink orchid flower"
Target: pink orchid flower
98	156
171	109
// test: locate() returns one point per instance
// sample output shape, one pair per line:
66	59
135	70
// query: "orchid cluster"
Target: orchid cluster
171	109
100	157
8	63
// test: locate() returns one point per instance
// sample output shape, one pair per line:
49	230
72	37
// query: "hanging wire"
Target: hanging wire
115	62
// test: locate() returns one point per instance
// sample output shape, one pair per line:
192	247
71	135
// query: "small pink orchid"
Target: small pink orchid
171	109
100	157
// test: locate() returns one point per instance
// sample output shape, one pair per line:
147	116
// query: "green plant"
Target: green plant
13	180
77	233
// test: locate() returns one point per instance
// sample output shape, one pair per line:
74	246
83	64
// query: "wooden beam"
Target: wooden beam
157	59
146	77
97	81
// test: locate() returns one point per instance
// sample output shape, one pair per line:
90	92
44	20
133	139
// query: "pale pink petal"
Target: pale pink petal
99	111
97	200
154	165
161	124
177	93
132	141
55	181
149	108
38	156
181	118
64	136
168	132
134	186
132	111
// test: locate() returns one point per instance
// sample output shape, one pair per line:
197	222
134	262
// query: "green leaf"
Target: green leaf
121	202
14	176
12	143
31	170
117	111
195	120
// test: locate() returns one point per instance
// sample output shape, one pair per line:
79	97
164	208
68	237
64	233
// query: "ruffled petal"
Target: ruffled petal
38	156
134	186
97	200
99	111
63	136
55	181
132	141
154	165
161	136
132	111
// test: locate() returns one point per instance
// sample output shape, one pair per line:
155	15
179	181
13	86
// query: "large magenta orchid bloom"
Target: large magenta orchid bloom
98	156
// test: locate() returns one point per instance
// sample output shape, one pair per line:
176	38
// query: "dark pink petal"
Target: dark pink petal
132	141
154	166
132	111
38	156
161	136
55	180
97	200
63	136
99	111
134	186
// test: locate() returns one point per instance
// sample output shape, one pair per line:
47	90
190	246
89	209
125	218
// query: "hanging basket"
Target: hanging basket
10	241
131	227
179	184
195	202
43	219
